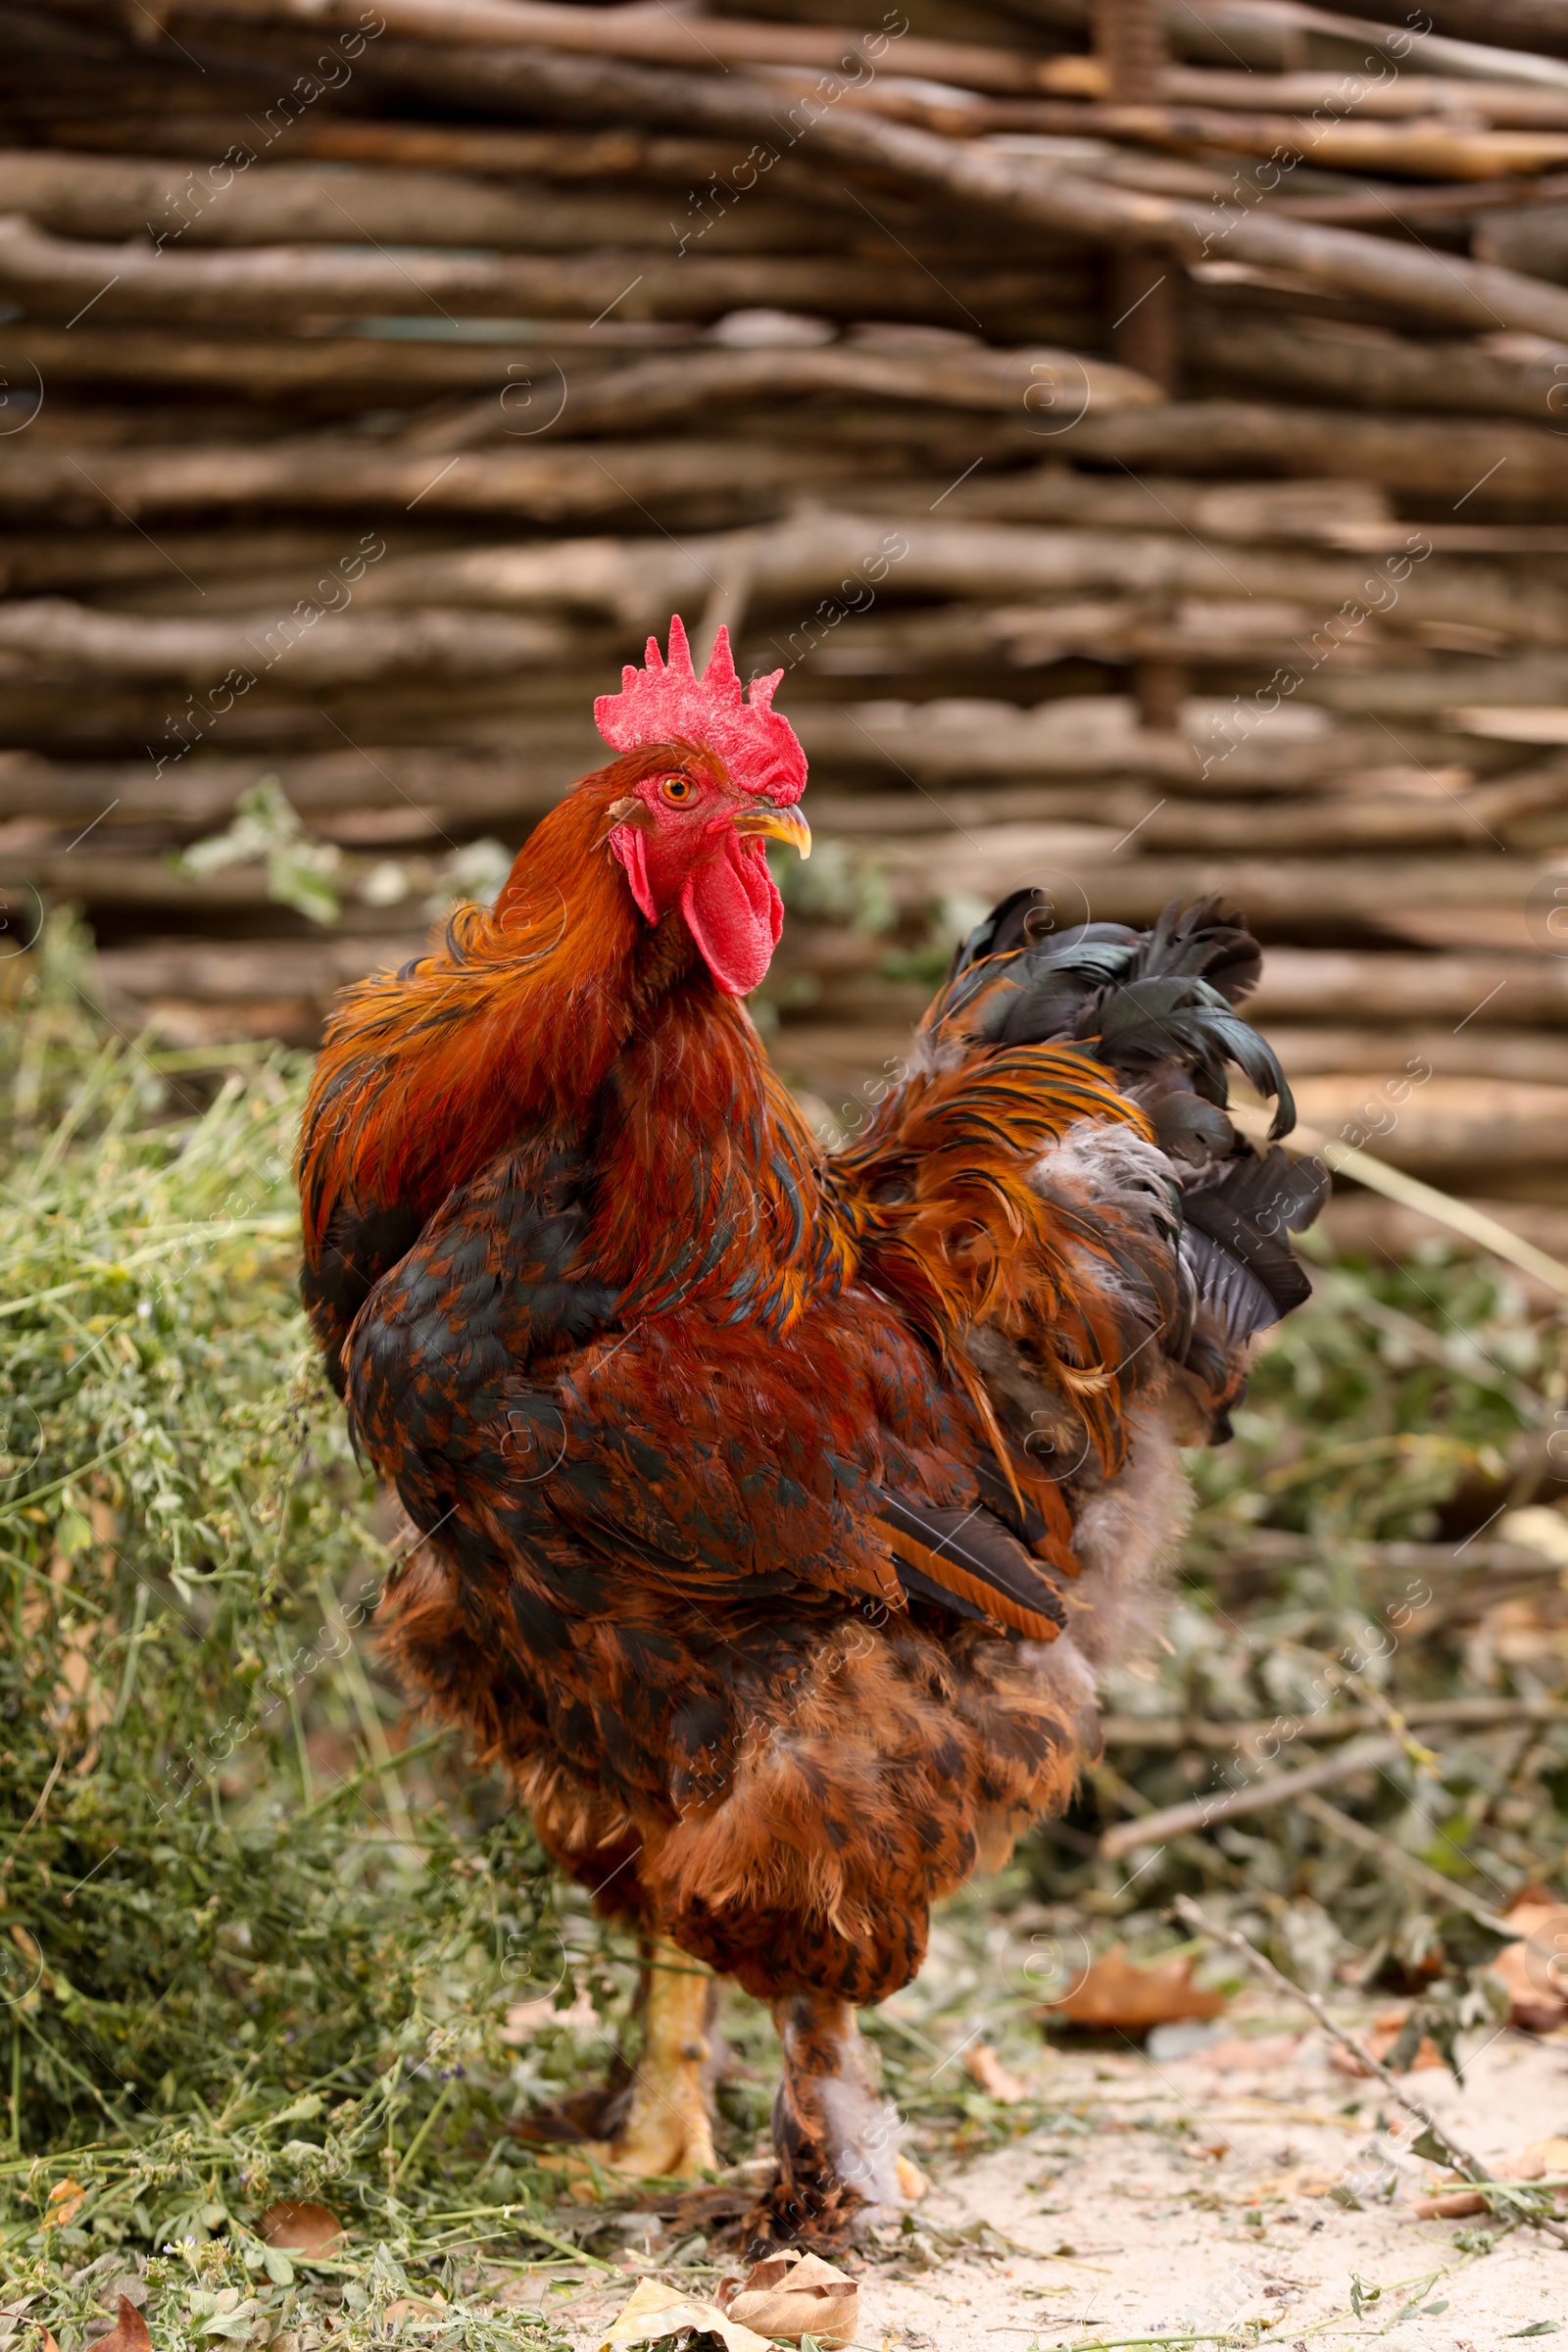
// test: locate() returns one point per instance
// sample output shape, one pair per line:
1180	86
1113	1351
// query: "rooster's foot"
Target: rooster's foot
835	2137
667	2130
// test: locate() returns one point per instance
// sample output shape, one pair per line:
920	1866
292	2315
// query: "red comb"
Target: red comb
668	703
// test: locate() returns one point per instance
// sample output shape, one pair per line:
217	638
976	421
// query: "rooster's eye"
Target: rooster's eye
677	789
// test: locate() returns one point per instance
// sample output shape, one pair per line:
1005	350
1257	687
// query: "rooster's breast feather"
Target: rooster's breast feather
564	1448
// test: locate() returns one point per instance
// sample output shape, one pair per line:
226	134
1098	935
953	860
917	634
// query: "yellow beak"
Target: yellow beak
782	824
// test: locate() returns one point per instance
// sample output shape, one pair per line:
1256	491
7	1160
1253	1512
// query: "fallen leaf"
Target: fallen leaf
299	2228
66	2201
1534	1972
128	2332
1378	2041
1450	2205
789	2295
983	2065
912	2183
1542	2160
1237	2056
410	2307
653	2311
1117	1995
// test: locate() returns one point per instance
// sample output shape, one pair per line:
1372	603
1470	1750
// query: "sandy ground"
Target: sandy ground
1172	2195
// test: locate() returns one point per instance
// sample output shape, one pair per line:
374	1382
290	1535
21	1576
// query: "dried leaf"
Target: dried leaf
1308	2183
1534	1972
1450	2205
412	2307
791	2295
299	2228
983	2065
1542	2160
128	2333
1241	2057
653	2311
1117	1995
1380	2042
66	2201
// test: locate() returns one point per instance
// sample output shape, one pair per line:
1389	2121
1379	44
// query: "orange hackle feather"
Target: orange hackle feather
516	1022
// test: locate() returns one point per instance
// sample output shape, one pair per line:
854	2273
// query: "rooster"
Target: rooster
773	1509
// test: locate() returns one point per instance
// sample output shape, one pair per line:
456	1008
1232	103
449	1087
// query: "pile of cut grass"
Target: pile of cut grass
246	1951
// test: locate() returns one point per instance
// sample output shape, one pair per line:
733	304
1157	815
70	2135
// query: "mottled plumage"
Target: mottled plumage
773	1509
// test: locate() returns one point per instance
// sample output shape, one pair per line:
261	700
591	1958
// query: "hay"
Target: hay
227	1975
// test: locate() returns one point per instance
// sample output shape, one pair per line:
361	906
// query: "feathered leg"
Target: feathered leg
834	2134
666	2131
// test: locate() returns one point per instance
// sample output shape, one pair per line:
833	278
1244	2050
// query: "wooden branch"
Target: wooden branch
1258	1796
1459	816
1278	897
1534	1057
1459	205
699	481
181	206
57	277
1364	1224
1003	185
668	390
831	564
347	370
1390	1856
1467	293
1507	23
1445	1123
235	969
1347	985
1500	105
105	561
313	644
588	156
716	46
428	789
1431	147
1291	357
1166	1734
148	886
1533	237
1409	453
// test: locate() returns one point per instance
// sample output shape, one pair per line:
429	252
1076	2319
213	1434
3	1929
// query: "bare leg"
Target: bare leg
834	2134
666	2131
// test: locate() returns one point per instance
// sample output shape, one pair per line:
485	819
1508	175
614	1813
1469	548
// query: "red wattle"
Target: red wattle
734	913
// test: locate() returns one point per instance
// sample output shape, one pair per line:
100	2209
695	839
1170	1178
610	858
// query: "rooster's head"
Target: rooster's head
723	771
